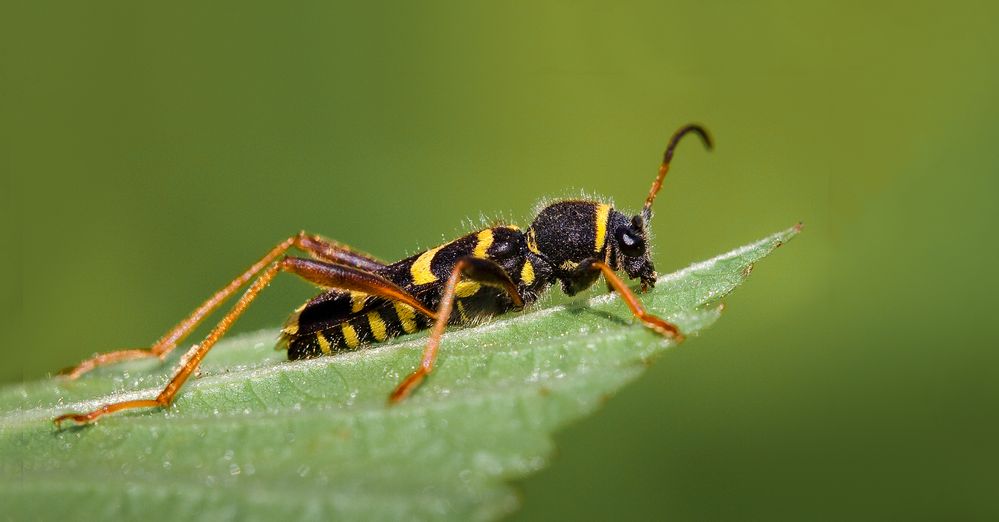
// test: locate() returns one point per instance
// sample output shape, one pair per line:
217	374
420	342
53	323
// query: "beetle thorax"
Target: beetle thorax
568	232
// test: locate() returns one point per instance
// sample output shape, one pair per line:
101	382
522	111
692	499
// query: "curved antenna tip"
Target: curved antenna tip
683	131
668	156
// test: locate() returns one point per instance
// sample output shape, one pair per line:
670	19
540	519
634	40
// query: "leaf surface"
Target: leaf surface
256	437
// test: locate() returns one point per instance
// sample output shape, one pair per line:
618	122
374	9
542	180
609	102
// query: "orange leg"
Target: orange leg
481	270
316	246
323	274
652	321
332	252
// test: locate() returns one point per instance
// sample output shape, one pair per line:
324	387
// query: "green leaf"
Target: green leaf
258	437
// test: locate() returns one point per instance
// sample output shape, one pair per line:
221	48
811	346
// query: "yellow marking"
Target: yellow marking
569	265
406	315
357	300
461	312
291	327
603	214
532	242
466	289
421	267
485	241
377	326
324	343
527	273
350	335
513	227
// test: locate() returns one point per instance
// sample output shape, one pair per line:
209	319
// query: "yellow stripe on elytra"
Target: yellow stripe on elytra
603	214
485	240
324	343
527	272
350	335
461	312
377	326
406	315
357	300
421	267
466	289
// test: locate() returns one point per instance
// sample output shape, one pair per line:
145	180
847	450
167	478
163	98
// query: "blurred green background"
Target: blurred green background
150	152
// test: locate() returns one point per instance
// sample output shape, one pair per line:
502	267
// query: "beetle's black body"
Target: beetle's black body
563	235
482	274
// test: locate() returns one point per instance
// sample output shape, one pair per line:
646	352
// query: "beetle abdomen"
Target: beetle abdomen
344	333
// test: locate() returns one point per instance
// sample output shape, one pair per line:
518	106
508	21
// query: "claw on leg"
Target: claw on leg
662	327
407	385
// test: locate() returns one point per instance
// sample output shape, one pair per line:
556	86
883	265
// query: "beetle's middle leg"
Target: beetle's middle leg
471	268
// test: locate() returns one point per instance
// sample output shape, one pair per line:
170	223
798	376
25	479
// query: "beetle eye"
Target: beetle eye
631	244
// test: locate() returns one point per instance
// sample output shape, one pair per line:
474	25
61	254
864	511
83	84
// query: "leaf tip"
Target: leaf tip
786	235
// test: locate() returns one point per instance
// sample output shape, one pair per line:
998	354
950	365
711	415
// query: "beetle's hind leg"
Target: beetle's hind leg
327	275
316	246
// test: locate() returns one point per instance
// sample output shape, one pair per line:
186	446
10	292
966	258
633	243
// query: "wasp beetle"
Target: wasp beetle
482	274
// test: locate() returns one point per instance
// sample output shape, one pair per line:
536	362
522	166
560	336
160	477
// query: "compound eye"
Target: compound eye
630	243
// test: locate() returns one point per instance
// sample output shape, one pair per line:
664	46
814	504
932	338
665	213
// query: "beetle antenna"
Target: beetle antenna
667	157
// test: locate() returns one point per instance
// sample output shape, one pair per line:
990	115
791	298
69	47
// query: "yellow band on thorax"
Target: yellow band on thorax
603	214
